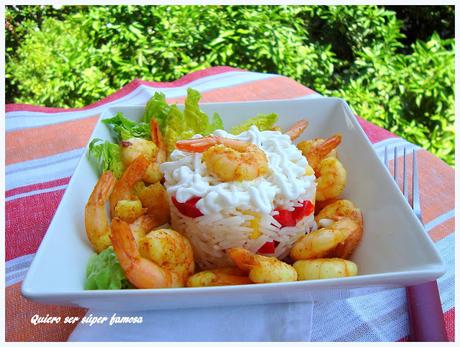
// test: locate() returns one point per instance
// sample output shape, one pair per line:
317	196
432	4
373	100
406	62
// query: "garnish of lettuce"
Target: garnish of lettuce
104	272
124	128
157	108
176	125
107	155
261	121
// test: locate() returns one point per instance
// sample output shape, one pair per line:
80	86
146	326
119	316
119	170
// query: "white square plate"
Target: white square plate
395	250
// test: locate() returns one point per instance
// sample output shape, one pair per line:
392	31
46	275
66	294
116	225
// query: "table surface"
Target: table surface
43	146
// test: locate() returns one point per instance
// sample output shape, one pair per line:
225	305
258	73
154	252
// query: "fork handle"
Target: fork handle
425	313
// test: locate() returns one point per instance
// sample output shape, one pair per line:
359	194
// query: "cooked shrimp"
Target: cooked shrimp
142	272
317	149
230	160
153	173
134	147
157	139
331	179
297	129
123	189
341	209
129	210
154	151
96	223
319	205
323	242
218	277
155	199
324	268
330	173
143	225
170	250
262	269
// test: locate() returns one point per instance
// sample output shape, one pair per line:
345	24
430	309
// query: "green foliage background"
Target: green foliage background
394	65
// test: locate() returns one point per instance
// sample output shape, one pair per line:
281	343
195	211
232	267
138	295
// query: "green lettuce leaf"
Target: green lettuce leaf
195	119
125	128
157	108
215	124
261	121
176	125
107	156
104	272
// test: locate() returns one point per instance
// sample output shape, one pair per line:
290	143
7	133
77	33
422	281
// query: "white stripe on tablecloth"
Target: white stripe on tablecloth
29	172
380	316
35	192
440	219
17	120
389	141
16	269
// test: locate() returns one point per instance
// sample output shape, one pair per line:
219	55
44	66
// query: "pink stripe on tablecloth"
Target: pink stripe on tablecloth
26	222
126	90
373	132
38	186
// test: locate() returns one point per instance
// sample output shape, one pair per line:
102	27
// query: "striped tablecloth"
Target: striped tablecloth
43	146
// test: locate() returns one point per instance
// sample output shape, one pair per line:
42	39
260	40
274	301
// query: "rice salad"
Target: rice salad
251	214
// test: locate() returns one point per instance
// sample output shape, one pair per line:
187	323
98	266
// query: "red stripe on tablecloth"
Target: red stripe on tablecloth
20	311
33	143
126	90
192	77
437	186
373	132
38	186
433	174
449	318
275	88
442	230
27	220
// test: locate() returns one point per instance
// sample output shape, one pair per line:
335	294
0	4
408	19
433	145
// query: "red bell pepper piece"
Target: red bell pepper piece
188	208
267	248
285	218
306	209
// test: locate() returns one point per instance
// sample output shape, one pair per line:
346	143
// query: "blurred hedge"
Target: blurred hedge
392	69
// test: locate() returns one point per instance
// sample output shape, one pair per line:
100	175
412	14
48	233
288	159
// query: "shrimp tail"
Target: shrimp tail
157	139
345	250
96	223
104	187
123	243
329	145
123	187
297	129
197	145
244	259
201	144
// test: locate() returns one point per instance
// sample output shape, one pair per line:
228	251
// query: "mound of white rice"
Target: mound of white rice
229	208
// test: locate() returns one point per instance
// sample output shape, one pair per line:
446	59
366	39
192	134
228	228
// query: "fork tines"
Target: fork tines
412	195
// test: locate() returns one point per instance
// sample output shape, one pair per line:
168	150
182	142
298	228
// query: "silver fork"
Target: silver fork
426	318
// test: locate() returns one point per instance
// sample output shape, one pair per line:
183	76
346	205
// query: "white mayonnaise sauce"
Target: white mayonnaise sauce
186	176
